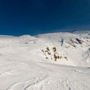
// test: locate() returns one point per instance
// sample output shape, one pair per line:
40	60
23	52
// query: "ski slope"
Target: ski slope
53	61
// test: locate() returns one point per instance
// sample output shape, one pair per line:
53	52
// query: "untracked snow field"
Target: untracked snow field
55	61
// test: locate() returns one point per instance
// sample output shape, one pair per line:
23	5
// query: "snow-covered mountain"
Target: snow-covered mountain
53	61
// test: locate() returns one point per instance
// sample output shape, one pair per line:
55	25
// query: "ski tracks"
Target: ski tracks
27	84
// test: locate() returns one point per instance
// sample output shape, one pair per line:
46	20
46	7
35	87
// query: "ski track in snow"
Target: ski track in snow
27	84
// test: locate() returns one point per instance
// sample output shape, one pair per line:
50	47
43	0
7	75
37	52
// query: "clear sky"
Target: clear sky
19	17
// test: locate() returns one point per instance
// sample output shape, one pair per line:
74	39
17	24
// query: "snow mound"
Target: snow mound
82	32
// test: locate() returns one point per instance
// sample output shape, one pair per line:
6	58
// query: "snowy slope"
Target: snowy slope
70	47
54	61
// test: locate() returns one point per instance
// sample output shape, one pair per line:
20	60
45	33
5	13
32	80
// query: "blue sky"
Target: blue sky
19	17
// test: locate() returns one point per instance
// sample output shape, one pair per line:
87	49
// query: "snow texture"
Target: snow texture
53	61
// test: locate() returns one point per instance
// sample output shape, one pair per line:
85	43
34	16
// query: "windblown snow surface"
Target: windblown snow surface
55	61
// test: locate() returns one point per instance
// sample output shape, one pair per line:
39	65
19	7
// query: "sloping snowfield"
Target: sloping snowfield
55	61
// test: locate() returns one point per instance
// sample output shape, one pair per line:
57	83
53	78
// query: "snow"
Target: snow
53	61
